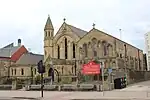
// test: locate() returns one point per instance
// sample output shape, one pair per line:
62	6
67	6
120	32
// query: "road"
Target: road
139	91
142	86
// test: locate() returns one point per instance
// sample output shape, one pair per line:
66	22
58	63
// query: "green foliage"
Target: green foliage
66	80
85	78
7	81
38	78
96	61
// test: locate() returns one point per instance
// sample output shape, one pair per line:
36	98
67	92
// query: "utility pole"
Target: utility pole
31	74
41	70
42	85
102	69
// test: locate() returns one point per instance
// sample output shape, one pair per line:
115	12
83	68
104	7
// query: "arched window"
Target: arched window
110	50
105	48
45	34
15	71
51	33
85	49
48	33
12	71
74	50
94	40
72	69
58	52
62	70
35	71
66	49
99	43
22	71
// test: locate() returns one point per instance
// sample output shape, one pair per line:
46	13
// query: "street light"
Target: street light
102	70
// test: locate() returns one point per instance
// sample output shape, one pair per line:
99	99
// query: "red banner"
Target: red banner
91	68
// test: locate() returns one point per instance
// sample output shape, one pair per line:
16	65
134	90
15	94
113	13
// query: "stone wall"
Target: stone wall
137	76
147	75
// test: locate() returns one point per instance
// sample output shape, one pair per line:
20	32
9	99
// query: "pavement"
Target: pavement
139	91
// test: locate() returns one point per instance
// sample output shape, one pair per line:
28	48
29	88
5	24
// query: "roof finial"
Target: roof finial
48	15
93	25
64	19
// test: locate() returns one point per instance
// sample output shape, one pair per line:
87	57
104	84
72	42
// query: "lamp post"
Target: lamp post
102	70
31	74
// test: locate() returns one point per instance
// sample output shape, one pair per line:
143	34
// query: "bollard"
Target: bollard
59	88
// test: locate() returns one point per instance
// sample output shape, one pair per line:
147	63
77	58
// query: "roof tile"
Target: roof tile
30	58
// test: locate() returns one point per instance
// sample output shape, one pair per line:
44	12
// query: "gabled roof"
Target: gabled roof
9	45
94	29
8	51
30	59
77	31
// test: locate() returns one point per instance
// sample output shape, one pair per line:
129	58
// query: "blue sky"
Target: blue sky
25	19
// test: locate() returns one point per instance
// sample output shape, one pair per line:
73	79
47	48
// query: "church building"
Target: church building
66	51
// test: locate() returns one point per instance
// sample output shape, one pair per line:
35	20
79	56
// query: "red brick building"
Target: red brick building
9	55
16	61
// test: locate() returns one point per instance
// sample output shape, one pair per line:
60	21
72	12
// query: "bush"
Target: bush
66	80
38	79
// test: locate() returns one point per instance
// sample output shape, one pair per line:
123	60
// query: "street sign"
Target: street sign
109	70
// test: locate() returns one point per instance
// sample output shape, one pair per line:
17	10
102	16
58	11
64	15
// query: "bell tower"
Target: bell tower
48	38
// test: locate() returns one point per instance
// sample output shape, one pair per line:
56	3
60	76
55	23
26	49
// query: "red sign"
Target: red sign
91	68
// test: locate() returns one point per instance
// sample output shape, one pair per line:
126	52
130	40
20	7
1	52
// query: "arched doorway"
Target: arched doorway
57	74
51	73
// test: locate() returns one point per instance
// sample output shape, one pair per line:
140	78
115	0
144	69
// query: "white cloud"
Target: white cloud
26	18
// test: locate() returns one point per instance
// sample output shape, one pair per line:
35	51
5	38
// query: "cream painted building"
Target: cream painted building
26	66
147	49
71	47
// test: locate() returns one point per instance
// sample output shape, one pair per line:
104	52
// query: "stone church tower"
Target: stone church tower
48	38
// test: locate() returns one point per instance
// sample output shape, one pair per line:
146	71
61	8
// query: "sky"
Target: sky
25	19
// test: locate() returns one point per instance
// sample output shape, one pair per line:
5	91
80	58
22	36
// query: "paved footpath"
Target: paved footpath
139	91
55	95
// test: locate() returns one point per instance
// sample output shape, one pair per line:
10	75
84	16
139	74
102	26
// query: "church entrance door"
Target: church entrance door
51	73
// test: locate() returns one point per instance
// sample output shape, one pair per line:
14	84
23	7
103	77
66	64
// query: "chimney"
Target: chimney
19	42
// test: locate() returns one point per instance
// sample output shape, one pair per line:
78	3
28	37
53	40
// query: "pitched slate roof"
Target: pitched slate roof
78	31
8	51
30	59
9	45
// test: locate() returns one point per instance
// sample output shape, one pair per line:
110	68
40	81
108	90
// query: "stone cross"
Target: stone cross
64	19
93	25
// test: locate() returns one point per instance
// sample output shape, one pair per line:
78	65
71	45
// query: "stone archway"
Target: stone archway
51	73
